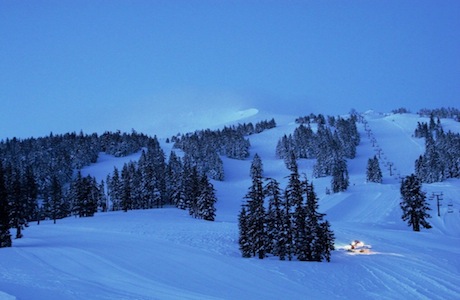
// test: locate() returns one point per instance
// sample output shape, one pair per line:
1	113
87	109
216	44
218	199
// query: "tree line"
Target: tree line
204	147
443	112
284	223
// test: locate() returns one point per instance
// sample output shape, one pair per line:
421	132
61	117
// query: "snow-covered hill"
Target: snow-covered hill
166	254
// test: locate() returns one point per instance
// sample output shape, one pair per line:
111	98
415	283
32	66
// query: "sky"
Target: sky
150	65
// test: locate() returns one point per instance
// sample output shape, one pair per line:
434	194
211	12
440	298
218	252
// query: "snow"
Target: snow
166	254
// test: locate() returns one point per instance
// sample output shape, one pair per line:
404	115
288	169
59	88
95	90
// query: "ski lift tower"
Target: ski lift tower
438	197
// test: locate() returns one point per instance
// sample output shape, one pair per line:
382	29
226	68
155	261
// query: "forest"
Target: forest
40	178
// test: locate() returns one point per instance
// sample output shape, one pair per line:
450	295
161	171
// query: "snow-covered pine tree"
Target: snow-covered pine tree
114	189
125	195
193	191
373	171
414	206
284	146
256	169
274	218
294	195
433	162
56	202
256	209
17	203
340	180
186	185
244	239
157	158
102	199
326	240
207	200
286	245
84	195
174	179
5	236
326	151
291	161
30	191
147	181
313	224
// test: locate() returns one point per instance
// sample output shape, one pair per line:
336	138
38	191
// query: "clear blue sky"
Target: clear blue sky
94	65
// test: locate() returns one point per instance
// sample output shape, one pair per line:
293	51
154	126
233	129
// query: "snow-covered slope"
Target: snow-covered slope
165	254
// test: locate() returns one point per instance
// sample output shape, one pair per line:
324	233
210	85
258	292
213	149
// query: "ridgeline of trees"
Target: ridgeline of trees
333	142
204	147
443	112
291	227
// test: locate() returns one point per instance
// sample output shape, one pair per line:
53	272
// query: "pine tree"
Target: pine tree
103	201
244	239
414	206
256	210
174	179
313	219
114	189
294	195
286	246
30	191
256	167
17	205
207	200
326	240
274	218
56	203
125	195
340	180
373	171
193	192
5	236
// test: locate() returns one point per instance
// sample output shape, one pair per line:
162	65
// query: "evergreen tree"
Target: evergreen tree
291	161
192	191
326	240
5	236
274	218
340	180
18	205
373	171
256	167
256	210
186	191
414	206
313	220
102	198
125	195
207	200
114	189
30	191
286	244
244	239
174	179
294	195
56	202
84	195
